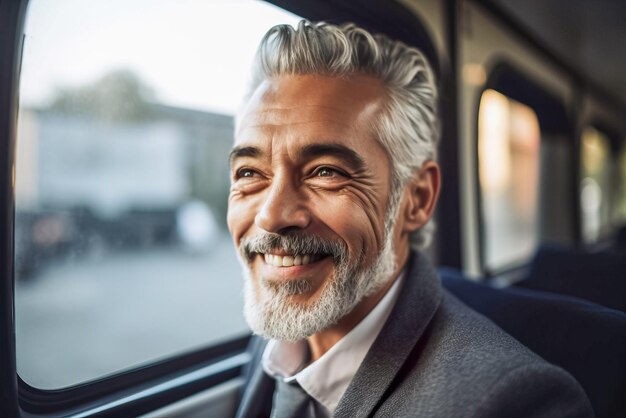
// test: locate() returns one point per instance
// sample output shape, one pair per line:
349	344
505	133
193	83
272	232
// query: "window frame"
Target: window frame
507	79
141	389
12	18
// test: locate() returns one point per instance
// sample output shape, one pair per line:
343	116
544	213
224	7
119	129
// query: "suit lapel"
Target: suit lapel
416	306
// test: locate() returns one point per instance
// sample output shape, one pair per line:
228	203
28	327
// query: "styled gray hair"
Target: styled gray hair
407	127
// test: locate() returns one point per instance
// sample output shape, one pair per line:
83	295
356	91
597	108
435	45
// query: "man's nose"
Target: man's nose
284	207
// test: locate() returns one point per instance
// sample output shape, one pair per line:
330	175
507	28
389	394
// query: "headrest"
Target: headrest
587	340
598	277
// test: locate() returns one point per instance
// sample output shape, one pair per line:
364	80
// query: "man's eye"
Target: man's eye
245	173
327	172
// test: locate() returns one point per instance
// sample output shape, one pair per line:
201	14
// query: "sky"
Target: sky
193	53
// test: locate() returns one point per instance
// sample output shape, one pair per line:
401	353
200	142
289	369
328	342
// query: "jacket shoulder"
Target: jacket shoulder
466	366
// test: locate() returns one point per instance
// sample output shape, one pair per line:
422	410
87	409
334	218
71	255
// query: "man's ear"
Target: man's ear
421	195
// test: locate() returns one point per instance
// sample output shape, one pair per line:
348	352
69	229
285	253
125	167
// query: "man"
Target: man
334	181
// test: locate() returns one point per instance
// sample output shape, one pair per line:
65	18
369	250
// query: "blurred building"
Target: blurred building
85	181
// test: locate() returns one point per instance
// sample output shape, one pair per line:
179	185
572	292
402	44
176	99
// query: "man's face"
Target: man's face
308	201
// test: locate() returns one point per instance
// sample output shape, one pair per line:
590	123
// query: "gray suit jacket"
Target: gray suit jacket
435	357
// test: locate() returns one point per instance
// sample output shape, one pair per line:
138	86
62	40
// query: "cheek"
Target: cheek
239	217
356	220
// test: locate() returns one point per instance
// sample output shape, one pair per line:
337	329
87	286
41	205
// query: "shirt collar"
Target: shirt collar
327	379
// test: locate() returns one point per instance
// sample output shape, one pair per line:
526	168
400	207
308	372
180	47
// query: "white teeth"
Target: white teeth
289	260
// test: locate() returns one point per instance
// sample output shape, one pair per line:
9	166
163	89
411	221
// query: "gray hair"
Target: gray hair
407	127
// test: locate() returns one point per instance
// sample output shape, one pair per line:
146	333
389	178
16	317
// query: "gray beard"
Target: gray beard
271	314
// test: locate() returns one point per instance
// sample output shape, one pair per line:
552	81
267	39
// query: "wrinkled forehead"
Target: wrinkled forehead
293	100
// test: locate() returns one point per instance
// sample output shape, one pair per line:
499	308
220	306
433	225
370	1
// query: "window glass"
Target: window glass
596	184
126	120
508	161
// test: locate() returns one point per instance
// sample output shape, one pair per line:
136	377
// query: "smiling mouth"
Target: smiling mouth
291	260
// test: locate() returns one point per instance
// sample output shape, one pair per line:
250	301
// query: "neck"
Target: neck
322	341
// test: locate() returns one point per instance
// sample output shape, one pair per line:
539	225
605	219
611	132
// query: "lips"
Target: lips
290	260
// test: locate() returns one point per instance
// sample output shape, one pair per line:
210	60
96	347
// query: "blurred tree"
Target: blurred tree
119	96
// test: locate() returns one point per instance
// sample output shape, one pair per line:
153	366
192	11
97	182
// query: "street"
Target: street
83	319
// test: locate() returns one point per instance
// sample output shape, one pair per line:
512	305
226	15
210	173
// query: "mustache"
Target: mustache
294	243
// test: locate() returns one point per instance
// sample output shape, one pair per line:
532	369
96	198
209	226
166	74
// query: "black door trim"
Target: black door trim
12	16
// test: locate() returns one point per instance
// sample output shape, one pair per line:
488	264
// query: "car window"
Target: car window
122	255
508	161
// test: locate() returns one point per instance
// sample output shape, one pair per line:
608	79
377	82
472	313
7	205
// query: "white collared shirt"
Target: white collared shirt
327	378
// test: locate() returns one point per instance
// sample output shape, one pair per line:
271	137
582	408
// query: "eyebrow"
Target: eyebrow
240	152
351	157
